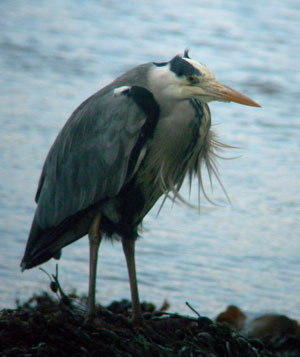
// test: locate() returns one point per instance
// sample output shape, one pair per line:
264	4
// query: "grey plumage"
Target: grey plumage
120	150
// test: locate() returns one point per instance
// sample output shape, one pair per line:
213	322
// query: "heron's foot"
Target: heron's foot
90	318
92	313
137	320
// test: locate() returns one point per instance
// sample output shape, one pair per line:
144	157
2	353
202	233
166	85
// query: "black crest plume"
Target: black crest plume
186	53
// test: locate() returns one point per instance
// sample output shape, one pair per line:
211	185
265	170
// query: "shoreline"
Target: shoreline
55	325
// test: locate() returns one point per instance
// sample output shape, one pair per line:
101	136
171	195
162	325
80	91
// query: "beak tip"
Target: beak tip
254	104
242	99
257	105
245	101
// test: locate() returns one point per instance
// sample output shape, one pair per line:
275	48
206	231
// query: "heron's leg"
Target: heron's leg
94	242
128	248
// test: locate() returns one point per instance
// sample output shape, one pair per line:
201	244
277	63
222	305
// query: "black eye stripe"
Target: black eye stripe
182	67
193	79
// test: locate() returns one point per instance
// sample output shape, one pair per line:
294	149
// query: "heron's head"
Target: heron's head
184	78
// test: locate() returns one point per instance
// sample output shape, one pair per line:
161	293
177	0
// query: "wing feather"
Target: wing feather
88	161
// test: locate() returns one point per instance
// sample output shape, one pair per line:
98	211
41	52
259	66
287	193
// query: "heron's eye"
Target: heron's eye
193	79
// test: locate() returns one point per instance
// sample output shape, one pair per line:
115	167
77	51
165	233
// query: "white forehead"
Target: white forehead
161	76
206	72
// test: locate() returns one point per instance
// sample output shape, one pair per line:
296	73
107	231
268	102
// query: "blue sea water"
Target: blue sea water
53	55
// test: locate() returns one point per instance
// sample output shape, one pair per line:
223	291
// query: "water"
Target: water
55	54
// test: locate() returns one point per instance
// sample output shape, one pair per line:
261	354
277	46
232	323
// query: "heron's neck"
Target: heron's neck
162	86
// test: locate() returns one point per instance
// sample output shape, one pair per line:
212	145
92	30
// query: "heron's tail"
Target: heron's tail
39	248
43	245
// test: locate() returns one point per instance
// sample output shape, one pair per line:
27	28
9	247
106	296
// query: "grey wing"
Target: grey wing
89	159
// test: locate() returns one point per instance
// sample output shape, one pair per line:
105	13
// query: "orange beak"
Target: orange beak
224	93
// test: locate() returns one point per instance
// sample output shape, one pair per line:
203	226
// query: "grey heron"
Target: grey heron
123	148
